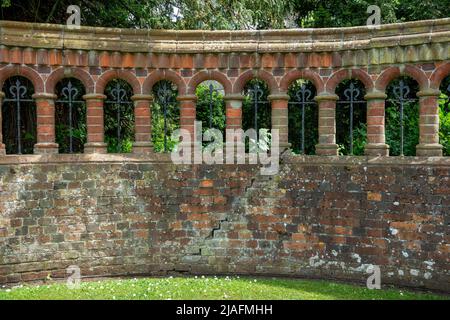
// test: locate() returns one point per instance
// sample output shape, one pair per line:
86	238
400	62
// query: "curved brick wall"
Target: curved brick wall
319	217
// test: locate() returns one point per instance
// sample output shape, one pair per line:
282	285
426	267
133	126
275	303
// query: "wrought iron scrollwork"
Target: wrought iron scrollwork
256	94
18	92
352	97
119	99
164	95
401	92
303	97
69	95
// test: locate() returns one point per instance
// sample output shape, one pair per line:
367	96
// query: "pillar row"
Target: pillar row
95	123
279	103
327	124
376	138
45	114
2	145
429	124
143	123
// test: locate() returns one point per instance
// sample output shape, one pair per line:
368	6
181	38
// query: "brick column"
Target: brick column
142	123
45	114
279	103
233	111
376	139
327	124
429	145
187	113
94	120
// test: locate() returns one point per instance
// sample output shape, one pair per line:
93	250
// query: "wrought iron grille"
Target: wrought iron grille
401	92
69	96
302	97
119	99
256	94
353	97
18	93
164	96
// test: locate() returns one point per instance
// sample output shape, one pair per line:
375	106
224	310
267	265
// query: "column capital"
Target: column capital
235	97
278	96
325	96
44	96
94	96
187	97
375	95
140	97
429	93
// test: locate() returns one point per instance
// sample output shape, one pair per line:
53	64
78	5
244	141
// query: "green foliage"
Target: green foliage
203	108
222	14
444	124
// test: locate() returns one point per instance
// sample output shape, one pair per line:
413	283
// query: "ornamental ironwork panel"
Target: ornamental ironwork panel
302	97
256	94
401	92
18	92
119	99
353	97
69	96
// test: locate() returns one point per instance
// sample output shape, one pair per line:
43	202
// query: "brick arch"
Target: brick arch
392	73
294	75
27	72
438	75
344	74
209	75
125	75
76	73
164	74
255	74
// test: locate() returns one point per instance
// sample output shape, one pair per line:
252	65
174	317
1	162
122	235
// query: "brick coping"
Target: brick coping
50	36
165	158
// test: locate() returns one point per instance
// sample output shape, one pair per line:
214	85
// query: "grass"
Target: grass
207	288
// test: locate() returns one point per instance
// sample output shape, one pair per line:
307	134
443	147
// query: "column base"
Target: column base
95	147
327	149
142	147
429	150
376	149
45	148
2	149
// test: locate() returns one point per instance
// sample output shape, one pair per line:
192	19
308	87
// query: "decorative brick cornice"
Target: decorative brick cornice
50	36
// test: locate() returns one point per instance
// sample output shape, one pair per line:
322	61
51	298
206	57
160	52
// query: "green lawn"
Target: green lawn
203	288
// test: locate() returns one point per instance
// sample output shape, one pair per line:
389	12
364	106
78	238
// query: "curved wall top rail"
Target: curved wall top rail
50	36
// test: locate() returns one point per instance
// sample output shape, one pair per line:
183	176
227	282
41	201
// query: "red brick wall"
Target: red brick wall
318	218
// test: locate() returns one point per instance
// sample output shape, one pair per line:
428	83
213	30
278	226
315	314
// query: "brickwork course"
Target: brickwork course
324	216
